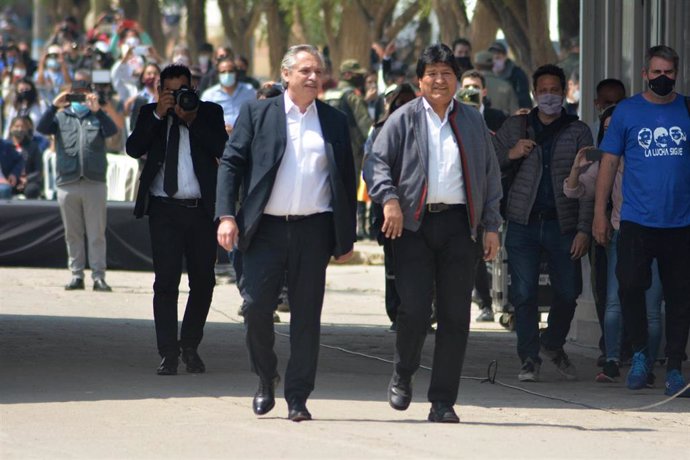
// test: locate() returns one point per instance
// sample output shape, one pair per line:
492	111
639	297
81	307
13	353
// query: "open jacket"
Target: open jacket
573	214
397	166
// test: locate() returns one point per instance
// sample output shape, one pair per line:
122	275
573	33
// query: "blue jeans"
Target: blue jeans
5	191
613	318
525	244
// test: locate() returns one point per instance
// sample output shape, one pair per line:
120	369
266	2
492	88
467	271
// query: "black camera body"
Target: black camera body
186	98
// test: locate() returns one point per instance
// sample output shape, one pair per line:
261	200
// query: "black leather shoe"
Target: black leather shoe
193	361
100	285
74	284
297	411
399	392
168	366
442	413
264	399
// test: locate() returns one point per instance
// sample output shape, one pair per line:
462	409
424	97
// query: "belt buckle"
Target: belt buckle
191	203
437	207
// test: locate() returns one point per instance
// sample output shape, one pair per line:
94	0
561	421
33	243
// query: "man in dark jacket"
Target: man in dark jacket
506	69
540	148
80	128
182	139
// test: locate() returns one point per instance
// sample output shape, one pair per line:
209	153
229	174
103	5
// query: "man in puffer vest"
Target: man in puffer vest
537	150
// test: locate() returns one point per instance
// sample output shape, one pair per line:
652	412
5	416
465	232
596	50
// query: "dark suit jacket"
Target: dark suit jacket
207	137
253	155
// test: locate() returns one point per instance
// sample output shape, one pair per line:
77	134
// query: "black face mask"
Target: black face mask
464	63
26	96
662	86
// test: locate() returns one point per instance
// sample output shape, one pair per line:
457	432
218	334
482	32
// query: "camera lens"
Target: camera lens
187	99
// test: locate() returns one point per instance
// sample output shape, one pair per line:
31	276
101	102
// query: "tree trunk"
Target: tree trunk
240	19
196	25
568	21
452	19
485	24
354	37
278	35
130	8
150	19
542	51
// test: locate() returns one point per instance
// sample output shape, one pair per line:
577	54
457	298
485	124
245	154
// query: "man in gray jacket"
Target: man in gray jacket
538	150
80	130
434	170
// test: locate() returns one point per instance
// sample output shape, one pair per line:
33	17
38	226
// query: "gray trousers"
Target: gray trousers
83	211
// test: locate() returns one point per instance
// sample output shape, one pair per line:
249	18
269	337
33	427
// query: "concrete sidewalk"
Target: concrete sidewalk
78	381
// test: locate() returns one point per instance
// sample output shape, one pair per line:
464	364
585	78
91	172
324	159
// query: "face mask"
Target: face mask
79	108
499	65
550	104
464	62
227	79
19	73
204	61
132	42
19	134
662	86
52	63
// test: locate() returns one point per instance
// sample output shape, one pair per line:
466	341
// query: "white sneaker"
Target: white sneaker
529	372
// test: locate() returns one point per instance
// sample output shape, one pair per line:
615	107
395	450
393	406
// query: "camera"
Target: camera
469	96
76	97
186	98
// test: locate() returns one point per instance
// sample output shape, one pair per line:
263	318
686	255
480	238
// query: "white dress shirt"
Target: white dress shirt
187	183
446	184
301	186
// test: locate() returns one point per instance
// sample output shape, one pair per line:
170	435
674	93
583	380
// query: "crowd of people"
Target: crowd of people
442	163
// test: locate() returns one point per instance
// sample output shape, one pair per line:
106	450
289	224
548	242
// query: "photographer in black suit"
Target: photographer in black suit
182	139
292	155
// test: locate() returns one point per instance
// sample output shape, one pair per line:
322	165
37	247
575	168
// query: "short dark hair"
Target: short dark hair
462	41
437	54
225	59
175	71
474	74
663	52
610	82
548	69
268	92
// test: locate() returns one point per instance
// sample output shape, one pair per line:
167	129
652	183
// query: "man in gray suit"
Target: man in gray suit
434	170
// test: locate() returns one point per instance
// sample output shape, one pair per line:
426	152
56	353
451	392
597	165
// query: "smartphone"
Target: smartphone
593	155
76	97
100	77
141	50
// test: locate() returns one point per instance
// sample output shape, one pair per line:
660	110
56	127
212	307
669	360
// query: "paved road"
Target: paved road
77	381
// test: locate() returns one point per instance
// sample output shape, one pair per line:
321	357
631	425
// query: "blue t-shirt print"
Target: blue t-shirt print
656	179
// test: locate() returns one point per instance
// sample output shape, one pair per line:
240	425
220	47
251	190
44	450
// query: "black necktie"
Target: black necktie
171	154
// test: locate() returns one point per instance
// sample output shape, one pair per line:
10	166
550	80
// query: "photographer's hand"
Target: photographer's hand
166	101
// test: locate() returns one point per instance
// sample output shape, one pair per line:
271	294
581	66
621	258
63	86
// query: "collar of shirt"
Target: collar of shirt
289	105
430	109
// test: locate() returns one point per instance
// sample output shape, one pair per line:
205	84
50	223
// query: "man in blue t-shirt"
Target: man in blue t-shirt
651	131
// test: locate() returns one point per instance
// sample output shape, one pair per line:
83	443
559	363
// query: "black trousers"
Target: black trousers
598	265
441	254
481	277
392	297
302	249
178	232
637	246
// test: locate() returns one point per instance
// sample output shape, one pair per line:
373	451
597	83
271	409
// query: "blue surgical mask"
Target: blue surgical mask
227	79
79	108
52	63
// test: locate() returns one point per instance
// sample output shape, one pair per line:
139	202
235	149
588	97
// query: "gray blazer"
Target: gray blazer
397	166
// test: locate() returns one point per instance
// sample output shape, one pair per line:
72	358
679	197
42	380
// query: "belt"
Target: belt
547	214
293	217
183	202
443	207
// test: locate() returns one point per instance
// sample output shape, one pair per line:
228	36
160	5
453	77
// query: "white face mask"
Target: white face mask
132	42
499	65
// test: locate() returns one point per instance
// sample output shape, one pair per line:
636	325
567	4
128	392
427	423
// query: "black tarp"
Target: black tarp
32	235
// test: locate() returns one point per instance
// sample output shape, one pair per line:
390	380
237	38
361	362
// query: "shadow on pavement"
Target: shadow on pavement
61	359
